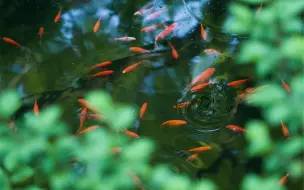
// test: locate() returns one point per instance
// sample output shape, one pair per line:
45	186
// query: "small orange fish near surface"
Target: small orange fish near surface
252	90
154	14
131	67
259	10
203	32
124	39
97	25
88	129
143	110
166	32
102	74
182	105
11	41
83	113
192	157
36	108
138	50
200	149
237	82
200	87
41	32
205	75
11	124
173	123
151	28
142	11
130	133
174	52
101	65
94	116
136	180
86	104
58	16
116	149
236	128
283	179
284	130
212	51
285	86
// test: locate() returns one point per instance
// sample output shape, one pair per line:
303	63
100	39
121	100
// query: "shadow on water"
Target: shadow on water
59	69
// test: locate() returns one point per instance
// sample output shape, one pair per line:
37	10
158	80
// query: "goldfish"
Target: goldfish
173	123
131	67
205	75
124	39
94	116
192	157
88	129
97	25
150	28
182	105
284	130
40	33
142	11
212	51
259	10
83	113
203	32
283	179
285	86
143	109
200	149
252	90
101	65
236	128
11	41
174	52
116	149
136	180
86	104
130	133
102	74
138	50
11	124
200	87
166	32
58	16
237	82
154	14
36	108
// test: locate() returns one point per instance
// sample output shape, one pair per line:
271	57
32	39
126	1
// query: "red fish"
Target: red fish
36	108
200	87
166	32
83	113
116	149
124	39
102	74
11	41
283	179
143	110
174	52
192	157
58	16
182	105
138	50
173	123
200	149
154	14
259	10
97	25
285	86
88	130
152	27
205	75
130	134
86	104
284	130
143	11
203	32
136	180
237	82
212	51
236	128
94	116
101	65
40	33
131	67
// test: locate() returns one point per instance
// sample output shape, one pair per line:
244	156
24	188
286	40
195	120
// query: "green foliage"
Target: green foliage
9	103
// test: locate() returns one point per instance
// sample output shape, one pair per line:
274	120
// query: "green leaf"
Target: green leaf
253	182
177	183
23	174
296	169
206	185
4	184
160	175
254	51
9	103
258	136
241	12
123	118
276	113
266	65
255	2
131	153
12	161
293	47
102	101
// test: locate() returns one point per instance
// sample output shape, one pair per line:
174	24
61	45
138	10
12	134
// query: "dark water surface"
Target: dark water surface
68	48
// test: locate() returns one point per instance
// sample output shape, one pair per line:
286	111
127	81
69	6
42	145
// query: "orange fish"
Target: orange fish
143	110
211	51
130	133
237	82
58	16
136	180
154	14
166	32
102	74
182	105
192	157
83	113
283	179
259	10
101	65
88	130
174	52
40	33
200	87
236	128
116	149
200	149
203	32
36	108
97	25
150	28
124	39
94	116
284	130
138	50
173	123
86	104
11	41
285	86
11	124
205	75
131	67
252	90
143	11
